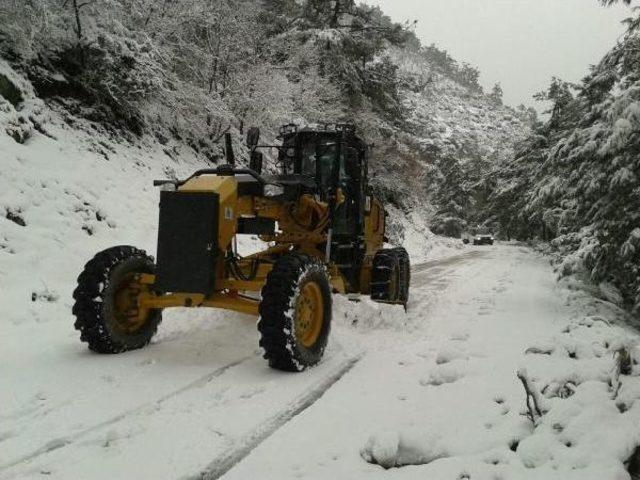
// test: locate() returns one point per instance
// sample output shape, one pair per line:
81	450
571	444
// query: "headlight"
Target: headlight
273	190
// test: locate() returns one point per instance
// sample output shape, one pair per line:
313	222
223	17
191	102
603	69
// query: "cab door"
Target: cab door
349	246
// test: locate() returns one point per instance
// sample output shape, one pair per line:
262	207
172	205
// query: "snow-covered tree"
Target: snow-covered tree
497	94
577	180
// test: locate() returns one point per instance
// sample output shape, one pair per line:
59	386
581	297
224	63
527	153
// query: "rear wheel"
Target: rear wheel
404	266
295	313
391	276
106	308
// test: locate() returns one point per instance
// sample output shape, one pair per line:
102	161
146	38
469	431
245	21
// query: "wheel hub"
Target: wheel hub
309	314
128	316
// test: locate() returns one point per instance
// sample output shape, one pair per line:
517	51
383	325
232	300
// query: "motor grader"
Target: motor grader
324	233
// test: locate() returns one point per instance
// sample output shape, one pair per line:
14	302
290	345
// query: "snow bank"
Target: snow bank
583	374
419	241
392	449
21	113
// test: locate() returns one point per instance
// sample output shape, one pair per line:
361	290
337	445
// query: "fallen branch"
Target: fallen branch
623	366
533	397
624	361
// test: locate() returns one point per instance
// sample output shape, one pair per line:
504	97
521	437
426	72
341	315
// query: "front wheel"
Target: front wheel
106	307
295	313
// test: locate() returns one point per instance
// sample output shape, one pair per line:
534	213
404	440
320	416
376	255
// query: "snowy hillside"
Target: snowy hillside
449	118
455	136
67	194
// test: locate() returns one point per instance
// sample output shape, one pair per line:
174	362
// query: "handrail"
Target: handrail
222	170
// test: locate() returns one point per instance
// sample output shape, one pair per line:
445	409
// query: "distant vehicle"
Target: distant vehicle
483	239
465	240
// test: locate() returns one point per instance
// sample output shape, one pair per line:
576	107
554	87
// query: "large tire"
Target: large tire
391	276
404	266
295	313
102	322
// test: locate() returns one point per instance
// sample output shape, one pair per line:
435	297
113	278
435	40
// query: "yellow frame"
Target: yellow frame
227	298
295	234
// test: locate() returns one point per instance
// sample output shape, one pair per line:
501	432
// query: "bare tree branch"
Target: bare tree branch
532	396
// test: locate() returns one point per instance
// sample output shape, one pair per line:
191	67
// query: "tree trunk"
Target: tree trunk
336	15
213	81
224	82
78	28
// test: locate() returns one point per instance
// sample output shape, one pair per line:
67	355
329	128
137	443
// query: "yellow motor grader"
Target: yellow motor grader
324	232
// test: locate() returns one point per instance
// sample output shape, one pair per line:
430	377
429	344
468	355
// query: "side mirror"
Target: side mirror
255	162
253	137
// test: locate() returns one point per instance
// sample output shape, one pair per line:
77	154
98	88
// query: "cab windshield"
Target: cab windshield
316	155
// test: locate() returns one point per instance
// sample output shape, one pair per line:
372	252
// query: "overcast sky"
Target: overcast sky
520	43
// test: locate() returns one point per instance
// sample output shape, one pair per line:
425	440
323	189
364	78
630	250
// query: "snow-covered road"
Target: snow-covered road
433	386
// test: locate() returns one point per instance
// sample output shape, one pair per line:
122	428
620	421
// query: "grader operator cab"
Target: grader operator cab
324	232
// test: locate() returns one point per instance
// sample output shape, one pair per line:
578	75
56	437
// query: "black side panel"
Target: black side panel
256	226
187	242
249	186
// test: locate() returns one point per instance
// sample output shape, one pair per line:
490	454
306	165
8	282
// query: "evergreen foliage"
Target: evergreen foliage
576	181
466	74
496	94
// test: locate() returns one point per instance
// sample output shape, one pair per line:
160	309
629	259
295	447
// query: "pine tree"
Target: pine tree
496	94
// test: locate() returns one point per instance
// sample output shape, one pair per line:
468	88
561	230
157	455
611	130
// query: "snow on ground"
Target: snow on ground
443	397
436	385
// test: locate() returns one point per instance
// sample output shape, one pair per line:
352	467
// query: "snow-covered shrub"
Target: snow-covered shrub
449	226
114	73
24	26
9	91
20	111
18	128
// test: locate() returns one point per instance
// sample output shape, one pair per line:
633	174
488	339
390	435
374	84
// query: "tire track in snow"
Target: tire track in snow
424	274
225	462
448	261
62	442
435	276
